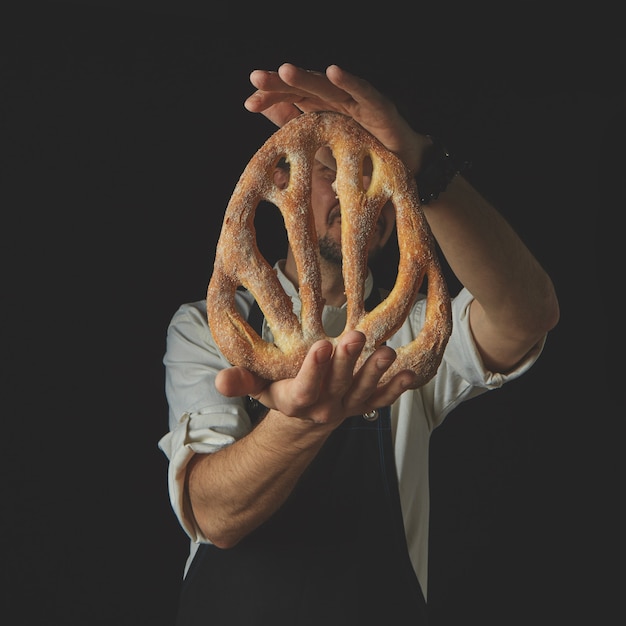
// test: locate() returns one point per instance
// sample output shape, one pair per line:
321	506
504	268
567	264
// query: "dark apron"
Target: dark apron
335	554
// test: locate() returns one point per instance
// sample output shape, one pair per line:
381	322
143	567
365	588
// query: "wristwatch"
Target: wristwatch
440	167
255	409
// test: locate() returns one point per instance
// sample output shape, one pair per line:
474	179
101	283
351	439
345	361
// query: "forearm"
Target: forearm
238	488
515	299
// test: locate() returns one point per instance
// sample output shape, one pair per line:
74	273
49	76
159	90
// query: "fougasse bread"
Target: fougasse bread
238	261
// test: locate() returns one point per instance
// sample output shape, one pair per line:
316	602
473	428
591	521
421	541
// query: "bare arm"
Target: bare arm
515	302
236	489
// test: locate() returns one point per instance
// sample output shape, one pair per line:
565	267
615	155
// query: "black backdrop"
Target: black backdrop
123	134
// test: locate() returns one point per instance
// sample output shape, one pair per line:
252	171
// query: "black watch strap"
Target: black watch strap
439	169
255	409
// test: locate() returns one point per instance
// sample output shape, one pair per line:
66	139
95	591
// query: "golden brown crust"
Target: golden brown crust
238	261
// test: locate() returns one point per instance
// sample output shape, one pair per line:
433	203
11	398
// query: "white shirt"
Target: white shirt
201	420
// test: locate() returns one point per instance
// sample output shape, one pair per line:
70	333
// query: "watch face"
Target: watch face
440	168
256	410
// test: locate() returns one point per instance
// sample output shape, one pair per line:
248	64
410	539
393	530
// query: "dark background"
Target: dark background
123	135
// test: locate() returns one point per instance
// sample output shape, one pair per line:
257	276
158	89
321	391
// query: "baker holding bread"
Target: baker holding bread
298	451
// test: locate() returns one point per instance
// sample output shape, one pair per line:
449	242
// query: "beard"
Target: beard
330	250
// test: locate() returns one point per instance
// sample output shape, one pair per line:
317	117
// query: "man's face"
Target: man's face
327	211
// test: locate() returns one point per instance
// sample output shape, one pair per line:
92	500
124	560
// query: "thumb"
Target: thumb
238	381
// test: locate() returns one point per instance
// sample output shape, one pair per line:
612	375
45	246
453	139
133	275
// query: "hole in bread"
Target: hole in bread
271	234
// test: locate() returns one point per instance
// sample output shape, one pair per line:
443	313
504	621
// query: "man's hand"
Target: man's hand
290	91
326	390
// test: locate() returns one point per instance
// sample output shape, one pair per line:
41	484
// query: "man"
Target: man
309	513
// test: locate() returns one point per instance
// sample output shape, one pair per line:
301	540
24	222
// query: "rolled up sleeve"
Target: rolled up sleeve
202	432
462	375
201	420
463	357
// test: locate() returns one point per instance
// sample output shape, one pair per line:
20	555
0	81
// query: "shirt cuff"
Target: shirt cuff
465	358
201	432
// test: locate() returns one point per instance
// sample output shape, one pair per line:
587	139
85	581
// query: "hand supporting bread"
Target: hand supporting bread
238	261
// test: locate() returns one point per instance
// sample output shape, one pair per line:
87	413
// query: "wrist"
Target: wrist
297	425
293	435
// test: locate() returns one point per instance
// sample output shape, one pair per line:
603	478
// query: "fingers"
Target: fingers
315	85
284	94
367	378
296	83
273	93
323	379
261	100
238	381
358	89
387	394
279	113
366	393
340	376
336	89
309	381
296	90
326	389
